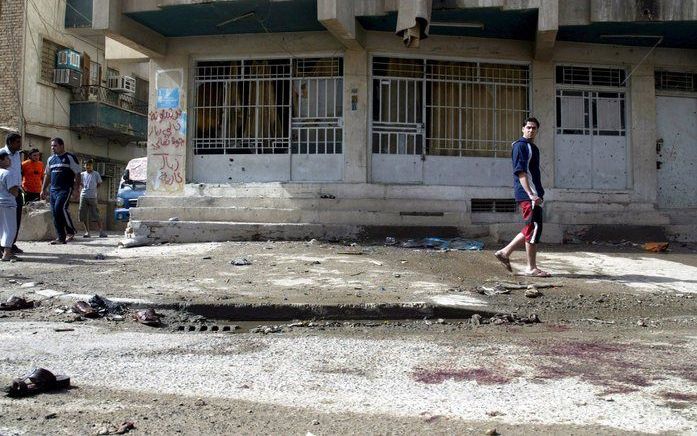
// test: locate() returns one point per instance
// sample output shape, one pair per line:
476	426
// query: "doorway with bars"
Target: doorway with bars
262	120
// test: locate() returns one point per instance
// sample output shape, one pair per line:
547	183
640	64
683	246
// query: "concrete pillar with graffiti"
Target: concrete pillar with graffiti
167	123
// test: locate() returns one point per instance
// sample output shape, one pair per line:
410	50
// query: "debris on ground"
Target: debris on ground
123	428
241	261
105	306
533	293
655	247
597	321
513	318
497	289
84	309
148	317
99	256
445	244
38	381
16	303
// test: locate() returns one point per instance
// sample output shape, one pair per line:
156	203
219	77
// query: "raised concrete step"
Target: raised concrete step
315	203
200	231
278	215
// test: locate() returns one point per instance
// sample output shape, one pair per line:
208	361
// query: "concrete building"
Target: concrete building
57	80
302	118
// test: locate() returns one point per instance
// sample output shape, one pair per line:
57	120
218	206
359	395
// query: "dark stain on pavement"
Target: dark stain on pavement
482	376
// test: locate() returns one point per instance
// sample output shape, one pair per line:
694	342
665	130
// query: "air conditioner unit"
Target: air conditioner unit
67	77
122	84
68	58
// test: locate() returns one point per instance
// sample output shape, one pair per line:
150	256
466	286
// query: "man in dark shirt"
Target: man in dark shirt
63	176
529	193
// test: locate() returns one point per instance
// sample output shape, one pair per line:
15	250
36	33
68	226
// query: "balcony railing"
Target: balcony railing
99	111
106	95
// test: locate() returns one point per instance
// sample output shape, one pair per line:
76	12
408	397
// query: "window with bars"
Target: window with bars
451	108
676	81
48	58
583	109
269	106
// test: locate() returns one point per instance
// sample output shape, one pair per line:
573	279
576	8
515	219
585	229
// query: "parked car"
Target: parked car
132	187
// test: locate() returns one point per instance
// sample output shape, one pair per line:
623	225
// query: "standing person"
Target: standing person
63	176
8	192
32	174
529	193
90	180
13	145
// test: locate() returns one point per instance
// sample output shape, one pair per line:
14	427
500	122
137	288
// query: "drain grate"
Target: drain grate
206	328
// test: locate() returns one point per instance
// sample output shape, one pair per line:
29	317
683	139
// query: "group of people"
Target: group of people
59	181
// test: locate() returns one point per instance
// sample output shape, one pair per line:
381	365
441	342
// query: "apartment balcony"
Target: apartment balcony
99	111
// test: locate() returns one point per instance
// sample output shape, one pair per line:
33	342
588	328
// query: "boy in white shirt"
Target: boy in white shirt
90	181
8	207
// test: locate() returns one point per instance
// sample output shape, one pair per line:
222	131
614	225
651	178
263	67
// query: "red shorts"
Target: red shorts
532	214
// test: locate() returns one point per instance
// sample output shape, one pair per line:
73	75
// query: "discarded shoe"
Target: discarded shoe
84	309
148	317
16	303
38	381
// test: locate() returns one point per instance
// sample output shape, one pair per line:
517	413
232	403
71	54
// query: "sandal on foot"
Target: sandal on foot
537	273
57	241
147	317
39	380
16	303
86	235
69	238
504	260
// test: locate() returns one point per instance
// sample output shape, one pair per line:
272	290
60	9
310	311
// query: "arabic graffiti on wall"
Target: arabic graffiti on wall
167	146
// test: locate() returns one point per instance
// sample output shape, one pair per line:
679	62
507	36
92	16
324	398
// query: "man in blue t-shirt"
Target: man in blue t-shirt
529	193
63	176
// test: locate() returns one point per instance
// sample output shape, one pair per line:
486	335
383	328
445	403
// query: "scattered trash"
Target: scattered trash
63	329
491	432
445	244
513	318
354	253
174	218
105	306
497	289
51	415
28	285
397	275
148	317
241	261
16	303
199	402
84	309
100	256
312	241
476	319
641	323
38	381
124	427
328	196
206	258
597	321
390	240
655	247
533	293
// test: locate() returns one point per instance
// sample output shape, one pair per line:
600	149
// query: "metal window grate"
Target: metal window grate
499	205
590	76
588	112
675	81
450	108
275	106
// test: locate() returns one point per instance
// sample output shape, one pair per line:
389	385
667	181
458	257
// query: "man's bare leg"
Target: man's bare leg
531	255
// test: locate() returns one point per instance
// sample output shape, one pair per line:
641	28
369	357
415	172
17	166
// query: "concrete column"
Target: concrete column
167	123
642	137
543	109
356	116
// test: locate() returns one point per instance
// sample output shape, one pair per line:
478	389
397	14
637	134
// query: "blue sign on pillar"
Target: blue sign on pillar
167	98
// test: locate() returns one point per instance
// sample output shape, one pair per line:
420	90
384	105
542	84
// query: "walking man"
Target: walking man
32	174
529	193
63	177
13	145
90	181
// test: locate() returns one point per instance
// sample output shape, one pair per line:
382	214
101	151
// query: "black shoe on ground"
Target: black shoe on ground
17	250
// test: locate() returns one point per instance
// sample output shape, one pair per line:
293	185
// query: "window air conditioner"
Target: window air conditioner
67	77
122	84
68	58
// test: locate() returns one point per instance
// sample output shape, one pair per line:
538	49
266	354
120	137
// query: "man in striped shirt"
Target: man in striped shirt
529	194
63	177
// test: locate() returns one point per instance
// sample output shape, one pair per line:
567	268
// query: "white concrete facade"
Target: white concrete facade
632	202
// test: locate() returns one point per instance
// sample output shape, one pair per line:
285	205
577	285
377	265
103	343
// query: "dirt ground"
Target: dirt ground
614	350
